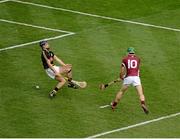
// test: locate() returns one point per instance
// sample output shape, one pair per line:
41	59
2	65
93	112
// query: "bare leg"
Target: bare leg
142	98
61	82
66	71
119	96
69	71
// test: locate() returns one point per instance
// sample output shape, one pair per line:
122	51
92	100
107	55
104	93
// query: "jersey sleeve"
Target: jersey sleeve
122	71
123	62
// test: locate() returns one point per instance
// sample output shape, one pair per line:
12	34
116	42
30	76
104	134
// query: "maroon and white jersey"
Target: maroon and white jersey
131	62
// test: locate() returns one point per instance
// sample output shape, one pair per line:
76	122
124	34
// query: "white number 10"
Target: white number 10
132	64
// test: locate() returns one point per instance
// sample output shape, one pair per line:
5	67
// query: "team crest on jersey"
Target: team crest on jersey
51	54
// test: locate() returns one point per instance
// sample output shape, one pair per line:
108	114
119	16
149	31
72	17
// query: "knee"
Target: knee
63	81
60	79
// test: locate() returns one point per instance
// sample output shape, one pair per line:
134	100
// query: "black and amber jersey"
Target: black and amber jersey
50	56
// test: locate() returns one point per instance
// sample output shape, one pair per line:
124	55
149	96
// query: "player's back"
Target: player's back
131	62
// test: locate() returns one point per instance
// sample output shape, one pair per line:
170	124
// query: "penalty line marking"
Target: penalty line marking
2	1
105	106
68	33
98	16
34	42
135	125
35	26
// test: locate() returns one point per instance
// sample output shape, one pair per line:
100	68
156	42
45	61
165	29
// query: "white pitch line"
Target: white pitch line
105	106
135	125
34	26
2	1
98	16
33	42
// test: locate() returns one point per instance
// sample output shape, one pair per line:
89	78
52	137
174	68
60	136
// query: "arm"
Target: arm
123	71
59	61
49	63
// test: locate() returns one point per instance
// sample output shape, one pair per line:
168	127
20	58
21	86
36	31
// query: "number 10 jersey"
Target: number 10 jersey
131	63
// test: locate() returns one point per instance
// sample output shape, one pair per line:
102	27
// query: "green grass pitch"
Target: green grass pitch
95	51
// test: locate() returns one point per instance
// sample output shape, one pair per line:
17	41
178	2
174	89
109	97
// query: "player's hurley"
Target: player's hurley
103	86
78	84
81	84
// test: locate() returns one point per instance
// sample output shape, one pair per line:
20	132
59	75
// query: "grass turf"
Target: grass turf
95	52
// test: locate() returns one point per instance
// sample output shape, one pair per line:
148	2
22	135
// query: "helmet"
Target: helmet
42	43
130	50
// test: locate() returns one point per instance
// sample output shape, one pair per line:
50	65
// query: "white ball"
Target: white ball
37	87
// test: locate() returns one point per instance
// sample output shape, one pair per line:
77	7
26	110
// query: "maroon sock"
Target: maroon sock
114	103
142	102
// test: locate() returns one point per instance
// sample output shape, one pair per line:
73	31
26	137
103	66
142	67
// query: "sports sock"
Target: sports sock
69	79
142	102
56	89
114	104
106	85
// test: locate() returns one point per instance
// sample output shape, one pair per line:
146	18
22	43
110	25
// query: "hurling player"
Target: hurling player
130	76
55	72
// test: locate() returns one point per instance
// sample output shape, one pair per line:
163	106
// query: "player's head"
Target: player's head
44	44
130	50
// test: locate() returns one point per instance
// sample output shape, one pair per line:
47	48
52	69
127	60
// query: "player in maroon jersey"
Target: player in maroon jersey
55	72
130	75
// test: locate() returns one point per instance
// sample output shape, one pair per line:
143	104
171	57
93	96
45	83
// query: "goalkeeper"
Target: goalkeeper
58	73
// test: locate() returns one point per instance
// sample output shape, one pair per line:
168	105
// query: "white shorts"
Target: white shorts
51	73
132	80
